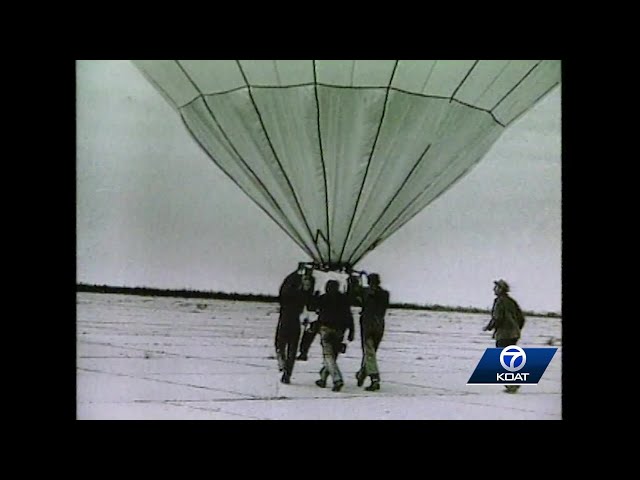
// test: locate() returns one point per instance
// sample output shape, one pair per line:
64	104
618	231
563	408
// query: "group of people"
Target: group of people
335	320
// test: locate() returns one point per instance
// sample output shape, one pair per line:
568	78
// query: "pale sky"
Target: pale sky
153	210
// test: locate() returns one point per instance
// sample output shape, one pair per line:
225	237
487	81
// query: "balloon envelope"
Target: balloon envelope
342	153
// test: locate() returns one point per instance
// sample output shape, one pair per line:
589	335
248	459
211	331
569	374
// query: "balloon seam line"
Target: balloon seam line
516	85
393	198
324	170
532	103
482	94
373	148
463	80
464	172
375	243
284	173
424	85
160	89
235	151
404	210
296	241
309	84
257	181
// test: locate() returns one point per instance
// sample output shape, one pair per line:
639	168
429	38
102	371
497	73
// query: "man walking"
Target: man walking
506	319
295	293
334	319
374	301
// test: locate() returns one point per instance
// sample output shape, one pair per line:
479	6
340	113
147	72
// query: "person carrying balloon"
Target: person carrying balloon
507	320
374	301
295	293
335	318
312	329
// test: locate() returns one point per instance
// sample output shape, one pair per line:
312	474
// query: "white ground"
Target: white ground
172	358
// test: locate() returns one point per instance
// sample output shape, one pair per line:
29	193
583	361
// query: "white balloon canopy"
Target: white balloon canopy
342	153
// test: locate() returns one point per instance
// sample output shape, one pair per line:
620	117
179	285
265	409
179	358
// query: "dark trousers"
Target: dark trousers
308	336
287	338
371	334
506	342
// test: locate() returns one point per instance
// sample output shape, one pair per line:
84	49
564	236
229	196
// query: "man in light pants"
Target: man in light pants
335	318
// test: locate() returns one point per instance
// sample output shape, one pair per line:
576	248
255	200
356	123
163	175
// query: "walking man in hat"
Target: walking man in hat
507	321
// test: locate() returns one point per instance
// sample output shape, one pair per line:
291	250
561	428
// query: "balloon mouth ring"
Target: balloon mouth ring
342	267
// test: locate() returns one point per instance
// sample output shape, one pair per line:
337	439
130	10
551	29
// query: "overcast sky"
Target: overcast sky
153	210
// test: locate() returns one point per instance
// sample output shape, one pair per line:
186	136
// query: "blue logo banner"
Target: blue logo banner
512	365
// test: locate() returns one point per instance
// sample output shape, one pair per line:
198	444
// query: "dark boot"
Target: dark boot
337	386
321	383
285	378
360	377
375	384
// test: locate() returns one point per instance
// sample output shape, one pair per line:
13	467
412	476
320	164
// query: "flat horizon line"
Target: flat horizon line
267	298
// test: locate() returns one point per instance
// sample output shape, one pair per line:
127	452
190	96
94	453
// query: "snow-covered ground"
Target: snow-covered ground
173	358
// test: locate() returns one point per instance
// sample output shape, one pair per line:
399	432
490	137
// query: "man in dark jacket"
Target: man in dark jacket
334	318
374	301
507	320
295	294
